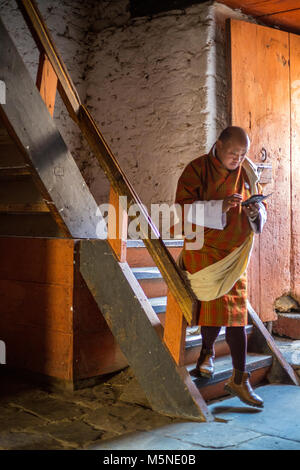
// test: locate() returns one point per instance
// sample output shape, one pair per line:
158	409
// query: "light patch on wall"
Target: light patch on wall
2	92
296	91
2	352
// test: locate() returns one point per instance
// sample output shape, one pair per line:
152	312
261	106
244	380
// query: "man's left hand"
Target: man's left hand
252	210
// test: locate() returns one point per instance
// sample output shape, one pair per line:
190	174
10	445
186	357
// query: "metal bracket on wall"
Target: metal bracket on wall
265	171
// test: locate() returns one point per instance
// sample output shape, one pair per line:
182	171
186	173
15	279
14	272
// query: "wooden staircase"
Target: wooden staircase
155	288
23	210
151	332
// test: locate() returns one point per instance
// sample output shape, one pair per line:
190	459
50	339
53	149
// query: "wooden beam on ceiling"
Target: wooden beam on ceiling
282	13
289	20
265	7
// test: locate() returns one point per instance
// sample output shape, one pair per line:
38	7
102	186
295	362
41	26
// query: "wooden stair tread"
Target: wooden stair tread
140	243
223	368
291	315
158	304
193	341
147	273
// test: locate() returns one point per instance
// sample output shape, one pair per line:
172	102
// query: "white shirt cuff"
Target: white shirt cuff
210	216
257	226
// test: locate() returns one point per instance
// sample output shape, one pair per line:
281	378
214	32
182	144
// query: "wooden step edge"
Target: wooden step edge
192	341
158	304
211	393
223	368
26	208
140	244
193	345
289	315
195	341
146	273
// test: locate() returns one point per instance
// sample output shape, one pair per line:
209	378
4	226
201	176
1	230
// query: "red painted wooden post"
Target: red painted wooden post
175	330
117	226
46	82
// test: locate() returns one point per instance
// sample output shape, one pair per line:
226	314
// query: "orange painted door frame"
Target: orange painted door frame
264	71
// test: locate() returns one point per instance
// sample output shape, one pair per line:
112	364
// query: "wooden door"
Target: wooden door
260	102
295	163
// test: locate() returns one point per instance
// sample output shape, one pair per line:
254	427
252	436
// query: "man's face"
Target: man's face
231	153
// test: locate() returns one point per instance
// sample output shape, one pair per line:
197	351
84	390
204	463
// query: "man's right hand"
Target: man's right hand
231	201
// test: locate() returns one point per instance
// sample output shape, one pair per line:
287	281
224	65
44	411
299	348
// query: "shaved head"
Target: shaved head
236	134
232	147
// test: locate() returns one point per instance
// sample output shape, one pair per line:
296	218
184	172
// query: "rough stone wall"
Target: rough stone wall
158	89
147	88
69	23
156	86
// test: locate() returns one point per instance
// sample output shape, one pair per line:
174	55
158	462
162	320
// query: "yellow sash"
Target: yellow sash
218	278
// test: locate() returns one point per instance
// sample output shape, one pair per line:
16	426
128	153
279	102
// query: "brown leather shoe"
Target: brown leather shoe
239	385
205	364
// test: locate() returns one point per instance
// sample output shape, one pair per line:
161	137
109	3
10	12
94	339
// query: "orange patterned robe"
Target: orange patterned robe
205	178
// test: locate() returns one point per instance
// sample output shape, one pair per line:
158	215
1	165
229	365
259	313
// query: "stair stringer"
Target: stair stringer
262	341
128	313
126	309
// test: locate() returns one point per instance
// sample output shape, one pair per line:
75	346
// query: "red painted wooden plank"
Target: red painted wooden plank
47	306
47	82
40	260
175	329
38	350
140	257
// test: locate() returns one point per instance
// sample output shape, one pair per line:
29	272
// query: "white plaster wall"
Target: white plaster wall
218	88
158	89
147	89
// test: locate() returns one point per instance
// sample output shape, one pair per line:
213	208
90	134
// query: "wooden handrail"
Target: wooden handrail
45	44
182	293
117	226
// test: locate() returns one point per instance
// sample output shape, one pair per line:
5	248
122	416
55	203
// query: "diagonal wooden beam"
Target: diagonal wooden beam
137	330
183	294
269	340
164	261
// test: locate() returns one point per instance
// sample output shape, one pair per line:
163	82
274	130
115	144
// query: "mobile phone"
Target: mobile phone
255	198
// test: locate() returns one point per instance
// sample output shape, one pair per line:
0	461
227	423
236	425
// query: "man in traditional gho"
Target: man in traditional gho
220	181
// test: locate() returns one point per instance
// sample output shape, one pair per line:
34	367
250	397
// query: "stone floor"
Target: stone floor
239	427
32	418
116	415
